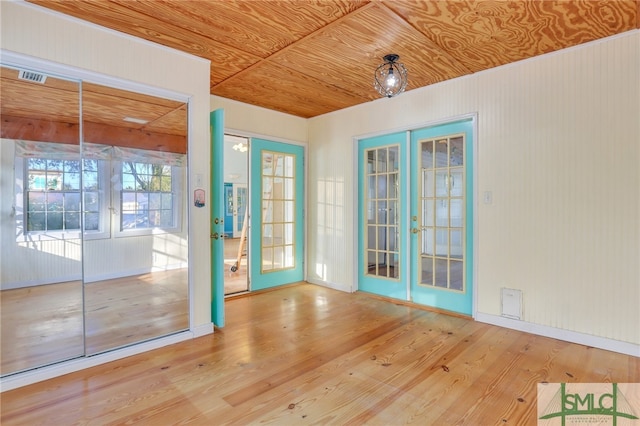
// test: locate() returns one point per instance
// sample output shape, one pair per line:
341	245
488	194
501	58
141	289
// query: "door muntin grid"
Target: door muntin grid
382	231
278	203
441	211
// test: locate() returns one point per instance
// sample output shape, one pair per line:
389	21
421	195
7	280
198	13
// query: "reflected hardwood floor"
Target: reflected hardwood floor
305	354
40	325
44	324
234	282
132	309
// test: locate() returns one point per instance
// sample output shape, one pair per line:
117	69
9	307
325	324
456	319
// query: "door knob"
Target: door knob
414	230
215	235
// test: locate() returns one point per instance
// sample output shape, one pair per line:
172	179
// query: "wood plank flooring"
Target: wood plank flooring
305	354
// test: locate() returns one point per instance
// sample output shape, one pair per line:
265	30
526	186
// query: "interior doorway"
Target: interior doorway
236	198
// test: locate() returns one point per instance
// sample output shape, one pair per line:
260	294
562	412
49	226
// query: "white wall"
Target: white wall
249	120
558	147
35	32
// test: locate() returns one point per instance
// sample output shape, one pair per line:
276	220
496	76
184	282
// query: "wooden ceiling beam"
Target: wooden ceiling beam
33	129
60	132
134	138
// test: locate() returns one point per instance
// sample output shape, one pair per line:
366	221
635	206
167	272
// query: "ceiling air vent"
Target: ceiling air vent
32	76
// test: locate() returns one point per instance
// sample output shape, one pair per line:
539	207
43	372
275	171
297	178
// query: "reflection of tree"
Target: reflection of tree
151	177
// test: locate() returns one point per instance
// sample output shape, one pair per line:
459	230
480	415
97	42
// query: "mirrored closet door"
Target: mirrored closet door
40	238
94	252
135	237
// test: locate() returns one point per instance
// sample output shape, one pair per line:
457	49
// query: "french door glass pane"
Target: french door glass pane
441	273
278	211
427	155
382	212
382	160
456	216
456	184
456	274
393	185
288	233
382	239
426	276
267	166
394	160
427	183
288	256
455	243
441	213
456	157
382	192
393	212
441	155
442	183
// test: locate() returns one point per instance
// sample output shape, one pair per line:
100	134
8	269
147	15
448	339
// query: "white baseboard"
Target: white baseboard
91	279
330	285
133	272
50	371
560	334
202	330
33	283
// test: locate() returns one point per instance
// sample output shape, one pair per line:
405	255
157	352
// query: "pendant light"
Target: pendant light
390	77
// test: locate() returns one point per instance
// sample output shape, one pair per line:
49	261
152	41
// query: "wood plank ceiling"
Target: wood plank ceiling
311	57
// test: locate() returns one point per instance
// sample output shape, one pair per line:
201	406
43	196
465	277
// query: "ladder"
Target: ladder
243	240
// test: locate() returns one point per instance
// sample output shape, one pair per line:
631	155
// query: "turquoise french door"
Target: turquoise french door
442	216
277	213
416	218
382	209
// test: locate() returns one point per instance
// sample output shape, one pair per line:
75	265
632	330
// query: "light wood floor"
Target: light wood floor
309	355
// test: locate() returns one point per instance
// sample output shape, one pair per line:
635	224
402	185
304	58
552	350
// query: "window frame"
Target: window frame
21	201
177	188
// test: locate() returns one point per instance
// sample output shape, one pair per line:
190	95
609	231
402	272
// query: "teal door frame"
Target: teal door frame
216	123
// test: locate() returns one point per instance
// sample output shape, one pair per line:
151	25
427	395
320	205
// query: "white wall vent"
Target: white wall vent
511	303
34	77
